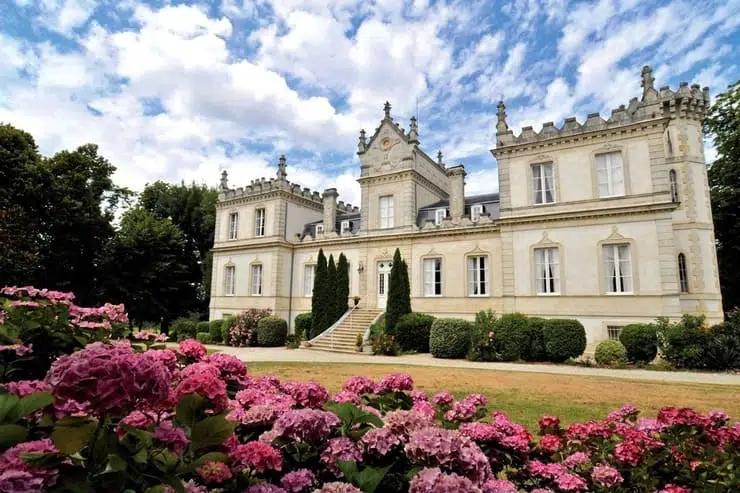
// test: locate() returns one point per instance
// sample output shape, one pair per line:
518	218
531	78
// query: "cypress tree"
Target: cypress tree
404	294
331	293
342	285
319	298
393	310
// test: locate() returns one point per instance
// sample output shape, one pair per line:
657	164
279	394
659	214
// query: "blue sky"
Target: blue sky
181	90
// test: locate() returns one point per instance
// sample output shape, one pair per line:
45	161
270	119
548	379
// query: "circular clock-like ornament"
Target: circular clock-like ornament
386	143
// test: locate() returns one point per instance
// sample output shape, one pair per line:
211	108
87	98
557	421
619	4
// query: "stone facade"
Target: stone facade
589	223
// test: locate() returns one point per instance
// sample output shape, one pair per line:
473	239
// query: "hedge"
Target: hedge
271	332
564	339
412	332
684	344
183	328
226	327
303	325
214	328
640	341
450	338
482	347
536	351
511	336
204	337
610	353
203	327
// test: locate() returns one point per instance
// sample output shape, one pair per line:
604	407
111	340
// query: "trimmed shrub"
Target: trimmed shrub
244	331
511	336
399	294
228	322
450	338
723	349
204	327
303	325
271	332
610	353
684	344
482	339
377	327
536	337
412	332
183	328
564	339
640	341
214	328
203	337
385	344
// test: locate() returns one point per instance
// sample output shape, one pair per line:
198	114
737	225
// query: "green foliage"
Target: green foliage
204	337
377	327
183	328
482	342
303	324
243	331
399	294
271	332
204	326
412	332
226	326
214	328
12	410
722	123
331	288
385	344
640	341
366	479
683	344
342	290
564	339
537	352
511	336
321	298
293	341
450	338
610	353
723	347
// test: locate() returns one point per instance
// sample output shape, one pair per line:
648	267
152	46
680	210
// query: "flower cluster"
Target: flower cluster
16	475
192	350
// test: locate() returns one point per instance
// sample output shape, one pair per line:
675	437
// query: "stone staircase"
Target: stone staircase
342	337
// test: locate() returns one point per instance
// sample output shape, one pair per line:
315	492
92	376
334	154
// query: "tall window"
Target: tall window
610	174
257	280
475	212
308	275
229	285
547	270
386	211
478	275
682	277
614	331
233	225
674	185
543	183
618	268
439	216
346	227
432	277
259	222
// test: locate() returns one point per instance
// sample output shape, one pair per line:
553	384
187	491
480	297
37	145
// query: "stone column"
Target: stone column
456	177
330	210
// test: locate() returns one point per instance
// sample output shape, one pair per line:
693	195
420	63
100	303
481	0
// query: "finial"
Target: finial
439	158
648	89
362	145
413	130
387	109
224	180
501	125
282	173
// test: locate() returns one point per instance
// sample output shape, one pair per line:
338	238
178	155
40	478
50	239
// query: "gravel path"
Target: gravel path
282	355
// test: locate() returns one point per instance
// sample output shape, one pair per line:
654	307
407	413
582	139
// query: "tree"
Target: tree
399	302
331	293
723	124
342	295
144	268
319	298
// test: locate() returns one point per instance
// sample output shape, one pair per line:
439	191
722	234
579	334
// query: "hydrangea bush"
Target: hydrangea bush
112	418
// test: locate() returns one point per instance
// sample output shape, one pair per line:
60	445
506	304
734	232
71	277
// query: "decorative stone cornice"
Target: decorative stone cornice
401	175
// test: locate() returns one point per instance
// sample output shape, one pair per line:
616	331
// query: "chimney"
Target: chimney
456	176
330	210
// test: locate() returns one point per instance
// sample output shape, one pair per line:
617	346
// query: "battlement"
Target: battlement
687	102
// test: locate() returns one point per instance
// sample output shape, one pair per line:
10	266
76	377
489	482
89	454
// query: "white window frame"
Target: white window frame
547	271
233	225
541	176
319	229
613	332
345	227
683	274
439	216
478	285
259	222
618	256
386	212
475	211
432	277
309	274
610	166
256	281
230	280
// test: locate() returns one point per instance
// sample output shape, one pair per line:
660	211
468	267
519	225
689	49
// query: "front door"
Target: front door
383	281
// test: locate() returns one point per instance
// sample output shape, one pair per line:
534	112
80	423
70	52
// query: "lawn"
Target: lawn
527	396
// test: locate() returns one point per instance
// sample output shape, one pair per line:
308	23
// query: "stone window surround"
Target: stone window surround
686	269
674	185
305	266
543	159
480	209
489	284
264	221
607	149
252	265
437	219
227	266
612	240
442	274
233	213
391	216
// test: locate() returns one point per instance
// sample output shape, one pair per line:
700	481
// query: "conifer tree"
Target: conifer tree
404	294
331	293
319	298
399	302
342	296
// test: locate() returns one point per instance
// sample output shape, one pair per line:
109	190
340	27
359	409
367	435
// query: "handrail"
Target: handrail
331	328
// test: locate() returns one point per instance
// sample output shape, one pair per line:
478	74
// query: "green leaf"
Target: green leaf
11	434
210	456
115	464
166	460
352	415
188	409
211	431
44	461
369	478
33	402
7	404
71	435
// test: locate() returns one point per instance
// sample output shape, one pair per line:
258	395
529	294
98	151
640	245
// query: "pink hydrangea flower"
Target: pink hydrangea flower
297	481
628	453
424	407
346	396
232	368
341	448
17	476
207	385
171	436
628	412
672	488
257	456
404	423
576	459
395	382
338	487
359	385
167	356
136	419
214	472
448	449
442	399
303	425
549	444
264	488
606	476
19	348
192	349
570	482
718	418
499	486
379	441
461	411
23	388
307	394
433	480
418	396
549	471
476	399
549	424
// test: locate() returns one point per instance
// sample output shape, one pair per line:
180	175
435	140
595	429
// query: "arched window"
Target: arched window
674	185
682	277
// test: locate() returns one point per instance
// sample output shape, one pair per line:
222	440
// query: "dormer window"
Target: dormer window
346	228
439	216
475	212
319	229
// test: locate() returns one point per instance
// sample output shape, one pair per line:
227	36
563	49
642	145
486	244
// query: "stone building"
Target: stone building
607	221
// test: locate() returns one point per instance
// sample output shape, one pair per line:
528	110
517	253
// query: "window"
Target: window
308	275
547	270
319	229
386	211
259	222
257	280
614	331
233	225
610	174
618	268
346	227
475	212
229	285
682	277
439	216
674	185
433	277
478	276
543	184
